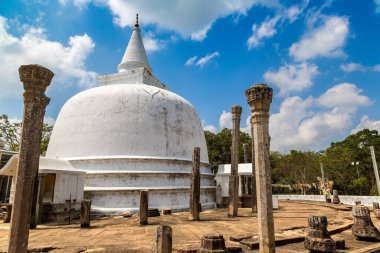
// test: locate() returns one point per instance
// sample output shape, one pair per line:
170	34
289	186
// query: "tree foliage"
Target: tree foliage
10	134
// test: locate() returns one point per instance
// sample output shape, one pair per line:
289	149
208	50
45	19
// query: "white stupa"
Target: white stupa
131	133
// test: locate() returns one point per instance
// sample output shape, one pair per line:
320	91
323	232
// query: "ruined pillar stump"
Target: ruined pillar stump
233	189
213	243
363	227
85	213
318	238
259	98
195	186
336	199
8	208
143	207
164	239
36	79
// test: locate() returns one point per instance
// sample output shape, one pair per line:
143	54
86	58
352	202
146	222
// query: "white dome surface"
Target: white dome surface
127	120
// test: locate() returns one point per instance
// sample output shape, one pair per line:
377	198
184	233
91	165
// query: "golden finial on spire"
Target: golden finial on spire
137	20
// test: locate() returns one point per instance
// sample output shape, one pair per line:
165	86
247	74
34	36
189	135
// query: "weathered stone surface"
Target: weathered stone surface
377	213
375	205
85	211
164	239
358	202
233	190
259	98
166	211
340	243
8	207
318	238
143	207
336	199
213	243
238	238
363	227
153	212
195	186
35	79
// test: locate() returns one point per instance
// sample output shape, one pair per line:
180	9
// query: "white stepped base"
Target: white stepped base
121	199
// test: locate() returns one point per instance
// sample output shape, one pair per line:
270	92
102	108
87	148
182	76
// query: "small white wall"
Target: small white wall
66	184
345	199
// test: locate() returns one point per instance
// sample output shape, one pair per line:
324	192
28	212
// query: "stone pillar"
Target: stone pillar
85	214
164	239
336	199
363	227
8	207
233	187
246	153
213	243
33	211
259	98
358	202
144	207
35	79
318	238
375	205
195	185
40	200
253	179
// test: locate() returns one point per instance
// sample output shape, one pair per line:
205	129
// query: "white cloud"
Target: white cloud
152	44
351	67
376	68
365	122
290	78
201	61
211	128
191	60
377	4
225	120
344	95
191	19
312	123
326	40
268	28
32	47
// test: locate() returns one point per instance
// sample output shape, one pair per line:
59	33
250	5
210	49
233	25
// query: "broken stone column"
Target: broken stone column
195	186
363	227
85	214
253	178
336	199
259	98
246	153
233	187
318	238
164	239
35	79
8	208
213	243
143	207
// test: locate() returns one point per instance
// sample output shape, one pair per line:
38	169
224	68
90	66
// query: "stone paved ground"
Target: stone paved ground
118	234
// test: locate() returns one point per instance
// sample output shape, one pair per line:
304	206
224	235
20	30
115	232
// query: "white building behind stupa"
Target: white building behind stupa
132	133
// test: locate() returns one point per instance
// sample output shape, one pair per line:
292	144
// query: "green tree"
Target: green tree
10	134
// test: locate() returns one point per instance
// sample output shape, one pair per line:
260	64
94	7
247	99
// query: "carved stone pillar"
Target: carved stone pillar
259	98
164	239
253	178
85	214
246	153
318	238
336	199
213	243
195	186
363	227
233	188
35	79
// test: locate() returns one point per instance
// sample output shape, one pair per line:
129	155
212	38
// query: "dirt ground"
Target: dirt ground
119	234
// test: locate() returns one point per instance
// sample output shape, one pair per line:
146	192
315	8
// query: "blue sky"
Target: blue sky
321	57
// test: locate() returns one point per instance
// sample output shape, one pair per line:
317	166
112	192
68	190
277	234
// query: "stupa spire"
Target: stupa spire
135	55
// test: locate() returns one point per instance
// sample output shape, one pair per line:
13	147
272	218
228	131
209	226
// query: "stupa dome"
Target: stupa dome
127	120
